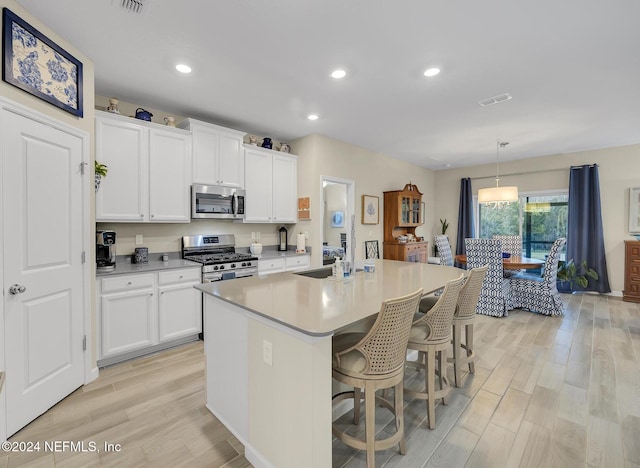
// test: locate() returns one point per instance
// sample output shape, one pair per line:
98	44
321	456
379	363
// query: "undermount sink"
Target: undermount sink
319	273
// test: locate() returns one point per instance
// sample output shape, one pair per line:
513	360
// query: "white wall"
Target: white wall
619	170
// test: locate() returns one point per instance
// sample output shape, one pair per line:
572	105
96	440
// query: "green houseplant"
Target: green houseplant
570	273
100	172
444	225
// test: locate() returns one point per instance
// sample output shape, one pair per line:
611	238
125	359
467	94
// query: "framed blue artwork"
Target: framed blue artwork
34	63
337	219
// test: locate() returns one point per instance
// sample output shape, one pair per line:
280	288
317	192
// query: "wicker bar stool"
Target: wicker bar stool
431	336
373	361
463	319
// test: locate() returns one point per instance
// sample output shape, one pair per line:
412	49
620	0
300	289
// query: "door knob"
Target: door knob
16	289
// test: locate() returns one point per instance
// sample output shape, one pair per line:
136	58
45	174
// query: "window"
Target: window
540	218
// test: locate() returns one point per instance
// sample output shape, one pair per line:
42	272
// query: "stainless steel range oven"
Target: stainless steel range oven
217	254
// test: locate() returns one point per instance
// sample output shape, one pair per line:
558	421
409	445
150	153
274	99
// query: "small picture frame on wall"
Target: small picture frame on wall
370	209
634	210
34	63
337	219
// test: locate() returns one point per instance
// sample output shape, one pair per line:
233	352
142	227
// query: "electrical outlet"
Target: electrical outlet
253	235
139	240
258	235
267	352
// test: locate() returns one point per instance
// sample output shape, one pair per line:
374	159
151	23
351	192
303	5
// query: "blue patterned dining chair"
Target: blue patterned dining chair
495	297
444	249
540	294
511	245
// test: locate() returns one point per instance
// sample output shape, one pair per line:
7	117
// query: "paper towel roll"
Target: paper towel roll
300	248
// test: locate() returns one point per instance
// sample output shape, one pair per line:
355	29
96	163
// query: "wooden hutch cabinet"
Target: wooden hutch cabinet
402	215
631	291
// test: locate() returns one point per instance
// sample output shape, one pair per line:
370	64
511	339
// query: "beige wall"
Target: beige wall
619	170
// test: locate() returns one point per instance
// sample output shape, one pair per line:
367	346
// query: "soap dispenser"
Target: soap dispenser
338	271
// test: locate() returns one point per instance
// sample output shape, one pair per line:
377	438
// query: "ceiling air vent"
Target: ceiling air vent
495	99
133	6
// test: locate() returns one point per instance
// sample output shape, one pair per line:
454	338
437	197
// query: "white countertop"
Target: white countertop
318	307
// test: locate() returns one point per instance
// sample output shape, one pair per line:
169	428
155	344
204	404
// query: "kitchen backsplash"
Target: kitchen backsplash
158	237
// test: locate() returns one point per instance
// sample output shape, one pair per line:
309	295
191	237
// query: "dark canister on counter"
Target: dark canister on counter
141	255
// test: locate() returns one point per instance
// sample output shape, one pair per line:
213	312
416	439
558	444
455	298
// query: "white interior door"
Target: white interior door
42	243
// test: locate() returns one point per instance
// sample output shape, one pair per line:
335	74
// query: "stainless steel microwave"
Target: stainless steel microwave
212	201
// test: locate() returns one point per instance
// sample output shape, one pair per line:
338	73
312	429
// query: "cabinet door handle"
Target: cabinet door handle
141	215
129	283
153	216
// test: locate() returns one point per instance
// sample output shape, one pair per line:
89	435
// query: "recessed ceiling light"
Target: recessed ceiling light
338	74
432	72
312	116
182	68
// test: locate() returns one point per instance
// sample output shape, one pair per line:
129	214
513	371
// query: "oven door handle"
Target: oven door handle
234	203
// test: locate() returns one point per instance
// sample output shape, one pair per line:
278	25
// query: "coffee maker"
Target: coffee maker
105	250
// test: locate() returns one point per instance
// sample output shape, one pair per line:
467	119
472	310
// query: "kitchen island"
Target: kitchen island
268	351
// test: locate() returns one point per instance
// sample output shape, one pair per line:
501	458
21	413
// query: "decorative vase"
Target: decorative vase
285	148
97	179
267	143
255	248
113	106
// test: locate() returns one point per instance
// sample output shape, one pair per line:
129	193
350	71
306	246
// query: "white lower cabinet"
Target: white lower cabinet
127	321
280	264
299	262
271	265
179	305
143	312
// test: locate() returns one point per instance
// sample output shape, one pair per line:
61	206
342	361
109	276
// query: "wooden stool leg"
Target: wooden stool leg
443	375
370	424
468	331
357	397
430	377
399	409
457	348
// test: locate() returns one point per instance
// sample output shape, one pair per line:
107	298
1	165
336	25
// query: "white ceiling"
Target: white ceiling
572	67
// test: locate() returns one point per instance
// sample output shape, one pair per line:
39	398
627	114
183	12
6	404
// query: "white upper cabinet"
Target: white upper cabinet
149	171
218	157
271	186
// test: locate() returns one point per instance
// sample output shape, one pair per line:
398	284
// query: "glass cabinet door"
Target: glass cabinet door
406	210
415	211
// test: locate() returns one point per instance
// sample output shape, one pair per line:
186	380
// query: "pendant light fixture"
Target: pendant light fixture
498	194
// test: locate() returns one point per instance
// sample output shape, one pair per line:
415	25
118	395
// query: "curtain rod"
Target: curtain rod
522	173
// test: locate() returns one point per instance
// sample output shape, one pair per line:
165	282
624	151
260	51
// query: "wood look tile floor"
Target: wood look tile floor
547	392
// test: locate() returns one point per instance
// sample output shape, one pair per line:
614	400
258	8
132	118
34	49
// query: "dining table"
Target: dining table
514	262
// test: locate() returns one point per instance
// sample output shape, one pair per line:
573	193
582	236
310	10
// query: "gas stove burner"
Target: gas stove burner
216	258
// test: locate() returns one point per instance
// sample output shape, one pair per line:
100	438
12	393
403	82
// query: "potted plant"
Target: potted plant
100	172
570	273
444	225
